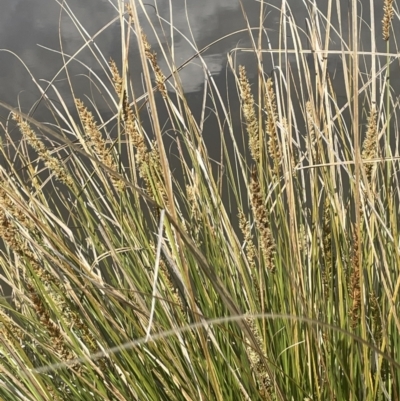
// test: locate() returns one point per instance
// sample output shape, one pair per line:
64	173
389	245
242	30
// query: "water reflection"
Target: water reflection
35	33
24	25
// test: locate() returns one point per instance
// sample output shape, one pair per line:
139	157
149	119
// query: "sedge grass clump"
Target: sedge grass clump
147	157
12	220
269	272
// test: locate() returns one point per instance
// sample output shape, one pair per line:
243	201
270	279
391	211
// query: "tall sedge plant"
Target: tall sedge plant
269	274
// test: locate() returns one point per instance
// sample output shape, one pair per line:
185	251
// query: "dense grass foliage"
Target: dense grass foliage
272	273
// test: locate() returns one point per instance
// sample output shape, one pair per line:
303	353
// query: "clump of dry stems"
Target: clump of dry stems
92	276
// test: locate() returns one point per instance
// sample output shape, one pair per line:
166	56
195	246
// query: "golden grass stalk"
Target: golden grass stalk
272	126
262	222
117	79
97	142
327	245
369	150
51	162
248	238
388	14
129	118
312	143
257	364
152	57
249	113
376	314
354	282
148	161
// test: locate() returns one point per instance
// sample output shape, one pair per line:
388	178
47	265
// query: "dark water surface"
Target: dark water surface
32	32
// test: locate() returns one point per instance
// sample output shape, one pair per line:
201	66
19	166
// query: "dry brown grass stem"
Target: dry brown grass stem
51	162
97	141
129	11
262	221
173	289
152	57
327	244
116	77
156	176
9	209
248	238
313	148
9	330
249	114
354	282
370	144
194	210
128	115
274	149
376	315
257	363
388	14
